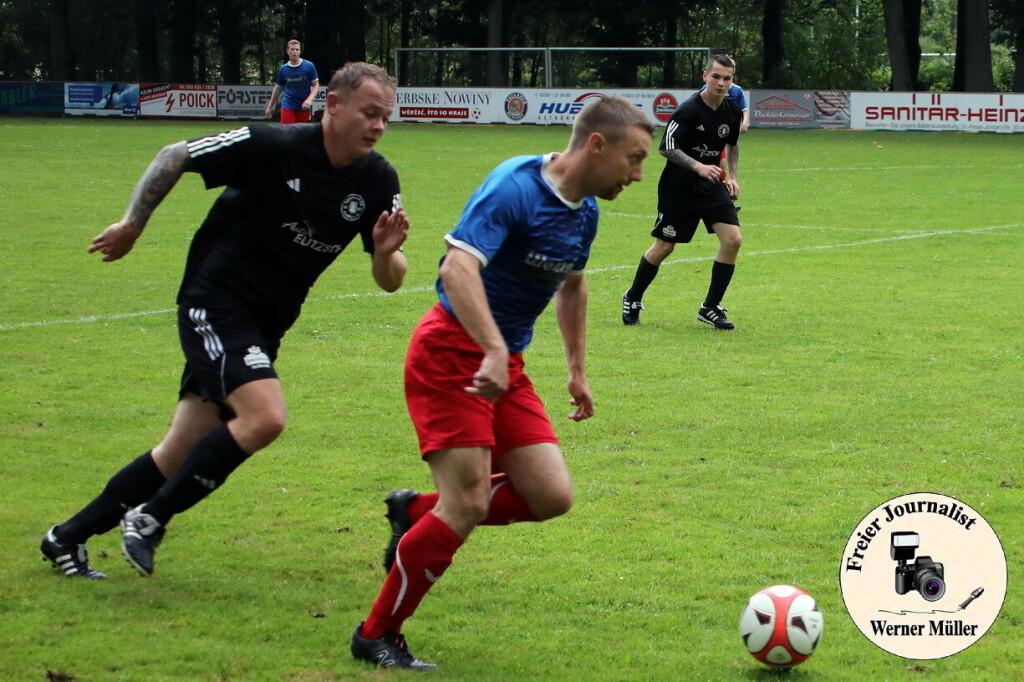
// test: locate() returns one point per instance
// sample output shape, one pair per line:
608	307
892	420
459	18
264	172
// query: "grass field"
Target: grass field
878	352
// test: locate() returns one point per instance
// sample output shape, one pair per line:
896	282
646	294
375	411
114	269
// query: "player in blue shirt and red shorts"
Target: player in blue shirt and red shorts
298	81
524	238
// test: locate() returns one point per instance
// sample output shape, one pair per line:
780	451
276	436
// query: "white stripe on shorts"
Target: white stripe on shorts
214	348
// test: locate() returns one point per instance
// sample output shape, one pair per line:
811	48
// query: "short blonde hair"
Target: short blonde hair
348	78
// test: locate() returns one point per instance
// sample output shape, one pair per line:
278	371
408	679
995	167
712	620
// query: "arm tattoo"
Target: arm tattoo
677	157
157	182
732	157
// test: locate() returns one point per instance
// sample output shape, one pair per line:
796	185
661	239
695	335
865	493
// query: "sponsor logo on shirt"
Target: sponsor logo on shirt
702	152
539	260
304	236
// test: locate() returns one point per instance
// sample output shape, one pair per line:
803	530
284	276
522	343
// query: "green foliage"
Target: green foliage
828	45
878	352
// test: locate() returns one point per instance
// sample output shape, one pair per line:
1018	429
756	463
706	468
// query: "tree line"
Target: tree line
953	45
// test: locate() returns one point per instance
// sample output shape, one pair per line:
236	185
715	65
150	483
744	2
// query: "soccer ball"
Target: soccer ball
781	625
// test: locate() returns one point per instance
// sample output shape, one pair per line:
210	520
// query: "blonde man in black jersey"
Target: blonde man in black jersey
295	196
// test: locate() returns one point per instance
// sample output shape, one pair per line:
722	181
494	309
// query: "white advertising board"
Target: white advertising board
949	111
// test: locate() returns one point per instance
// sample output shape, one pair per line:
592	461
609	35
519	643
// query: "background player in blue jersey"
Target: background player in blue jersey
294	198
691	190
524	238
298	81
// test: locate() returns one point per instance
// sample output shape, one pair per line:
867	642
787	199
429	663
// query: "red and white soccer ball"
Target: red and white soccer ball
781	625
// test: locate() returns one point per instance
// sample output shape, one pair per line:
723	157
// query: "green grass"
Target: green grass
878	352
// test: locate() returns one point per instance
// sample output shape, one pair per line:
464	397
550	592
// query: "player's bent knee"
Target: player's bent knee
470	511
553	505
256	433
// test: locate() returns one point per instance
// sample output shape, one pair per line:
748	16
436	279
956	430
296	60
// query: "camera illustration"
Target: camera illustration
923	575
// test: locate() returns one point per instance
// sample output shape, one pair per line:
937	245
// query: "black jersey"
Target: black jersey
701	133
285	215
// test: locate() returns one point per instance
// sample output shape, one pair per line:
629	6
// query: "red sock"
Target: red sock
424	554
507	506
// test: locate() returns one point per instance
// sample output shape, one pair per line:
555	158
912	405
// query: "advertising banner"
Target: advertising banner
31	98
994	113
799	109
243	101
182	101
250	101
526	105
101	99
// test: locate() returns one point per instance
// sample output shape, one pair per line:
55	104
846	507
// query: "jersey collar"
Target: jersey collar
549	181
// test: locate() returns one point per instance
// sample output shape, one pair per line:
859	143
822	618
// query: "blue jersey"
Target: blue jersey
528	238
297	81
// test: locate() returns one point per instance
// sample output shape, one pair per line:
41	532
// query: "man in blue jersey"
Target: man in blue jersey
298	80
524	238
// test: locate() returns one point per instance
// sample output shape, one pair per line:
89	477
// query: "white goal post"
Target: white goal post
500	66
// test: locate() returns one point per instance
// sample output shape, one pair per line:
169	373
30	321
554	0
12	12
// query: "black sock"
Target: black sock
645	274
721	275
205	469
132	485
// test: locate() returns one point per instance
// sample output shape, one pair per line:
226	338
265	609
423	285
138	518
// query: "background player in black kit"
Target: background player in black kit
691	189
295	197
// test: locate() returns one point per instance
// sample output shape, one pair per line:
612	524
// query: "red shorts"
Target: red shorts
440	364
292	116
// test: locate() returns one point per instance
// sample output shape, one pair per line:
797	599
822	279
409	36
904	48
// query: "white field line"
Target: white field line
419	290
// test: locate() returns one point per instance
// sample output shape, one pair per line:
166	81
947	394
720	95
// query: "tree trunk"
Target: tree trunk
318	44
229	18
1018	62
496	38
63	66
146	42
403	41
902	33
668	71
354	22
774	51
184	20
973	70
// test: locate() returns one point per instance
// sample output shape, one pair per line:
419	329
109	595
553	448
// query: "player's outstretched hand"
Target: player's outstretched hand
579	389
390	230
115	241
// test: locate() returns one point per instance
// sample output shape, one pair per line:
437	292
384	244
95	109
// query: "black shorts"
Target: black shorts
224	348
678	224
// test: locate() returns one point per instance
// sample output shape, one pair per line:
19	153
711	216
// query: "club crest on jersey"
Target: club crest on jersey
256	358
723	130
352	207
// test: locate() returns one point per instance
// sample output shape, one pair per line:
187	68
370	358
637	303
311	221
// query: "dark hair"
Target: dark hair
723	59
610	116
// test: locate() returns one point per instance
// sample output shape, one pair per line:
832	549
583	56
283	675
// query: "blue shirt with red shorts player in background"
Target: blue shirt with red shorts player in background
298	81
523	239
